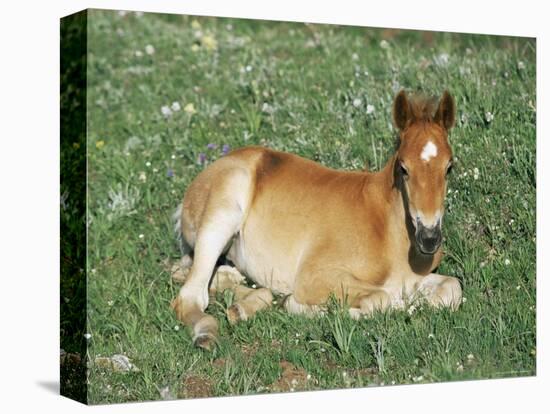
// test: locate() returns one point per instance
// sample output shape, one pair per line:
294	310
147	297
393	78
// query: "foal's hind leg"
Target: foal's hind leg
248	302
221	220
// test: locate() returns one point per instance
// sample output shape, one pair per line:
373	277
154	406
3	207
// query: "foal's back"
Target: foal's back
298	212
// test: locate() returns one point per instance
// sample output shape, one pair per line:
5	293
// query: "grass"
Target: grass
311	90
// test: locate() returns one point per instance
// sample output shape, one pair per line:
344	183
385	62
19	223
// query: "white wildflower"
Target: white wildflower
411	309
384	44
248	68
173	157
268	109
431	336
175	106
442	59
370	109
87	336
476	173
489	116
470	357
354	56
176	328
142	176
521	65
138	53
150	50
141	236
518	287
148	163
166	111
464	300
507	262
357	102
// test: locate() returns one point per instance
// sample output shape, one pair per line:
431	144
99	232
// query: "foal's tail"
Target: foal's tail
176	219
178	231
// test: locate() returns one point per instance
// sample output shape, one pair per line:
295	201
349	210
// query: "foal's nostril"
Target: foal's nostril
428	239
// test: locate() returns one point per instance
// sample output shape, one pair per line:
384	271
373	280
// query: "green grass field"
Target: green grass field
323	92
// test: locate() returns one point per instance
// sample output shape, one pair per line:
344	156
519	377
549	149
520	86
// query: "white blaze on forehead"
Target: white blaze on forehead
429	151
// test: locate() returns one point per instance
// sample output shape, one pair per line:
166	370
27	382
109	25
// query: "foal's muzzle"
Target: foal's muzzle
428	238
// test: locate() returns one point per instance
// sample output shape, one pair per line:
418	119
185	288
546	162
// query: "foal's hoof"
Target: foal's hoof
206	341
235	313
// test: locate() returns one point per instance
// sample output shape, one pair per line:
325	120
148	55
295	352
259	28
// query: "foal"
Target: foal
306	231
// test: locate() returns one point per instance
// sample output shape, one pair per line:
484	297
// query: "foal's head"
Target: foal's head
423	162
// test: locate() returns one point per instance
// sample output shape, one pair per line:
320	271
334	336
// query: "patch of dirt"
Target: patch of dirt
249	350
68	358
276	344
292	378
219	362
370	374
195	386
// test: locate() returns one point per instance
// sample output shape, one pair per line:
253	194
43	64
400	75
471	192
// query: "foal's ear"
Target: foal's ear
401	110
445	114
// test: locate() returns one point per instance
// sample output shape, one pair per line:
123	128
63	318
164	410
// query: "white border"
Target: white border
29	226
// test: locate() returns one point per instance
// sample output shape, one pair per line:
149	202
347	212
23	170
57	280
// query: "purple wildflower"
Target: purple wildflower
170	173
212	146
202	158
225	149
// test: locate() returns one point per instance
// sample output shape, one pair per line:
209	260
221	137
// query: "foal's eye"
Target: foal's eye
404	171
449	169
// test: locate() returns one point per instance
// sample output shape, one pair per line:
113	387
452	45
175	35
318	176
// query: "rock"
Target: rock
117	363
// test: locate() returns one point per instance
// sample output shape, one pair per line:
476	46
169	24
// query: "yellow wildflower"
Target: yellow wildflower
209	42
190	109
100	144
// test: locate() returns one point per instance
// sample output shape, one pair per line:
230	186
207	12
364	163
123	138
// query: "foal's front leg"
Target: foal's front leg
441	290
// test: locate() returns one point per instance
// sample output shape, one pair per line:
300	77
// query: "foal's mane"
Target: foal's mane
422	107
